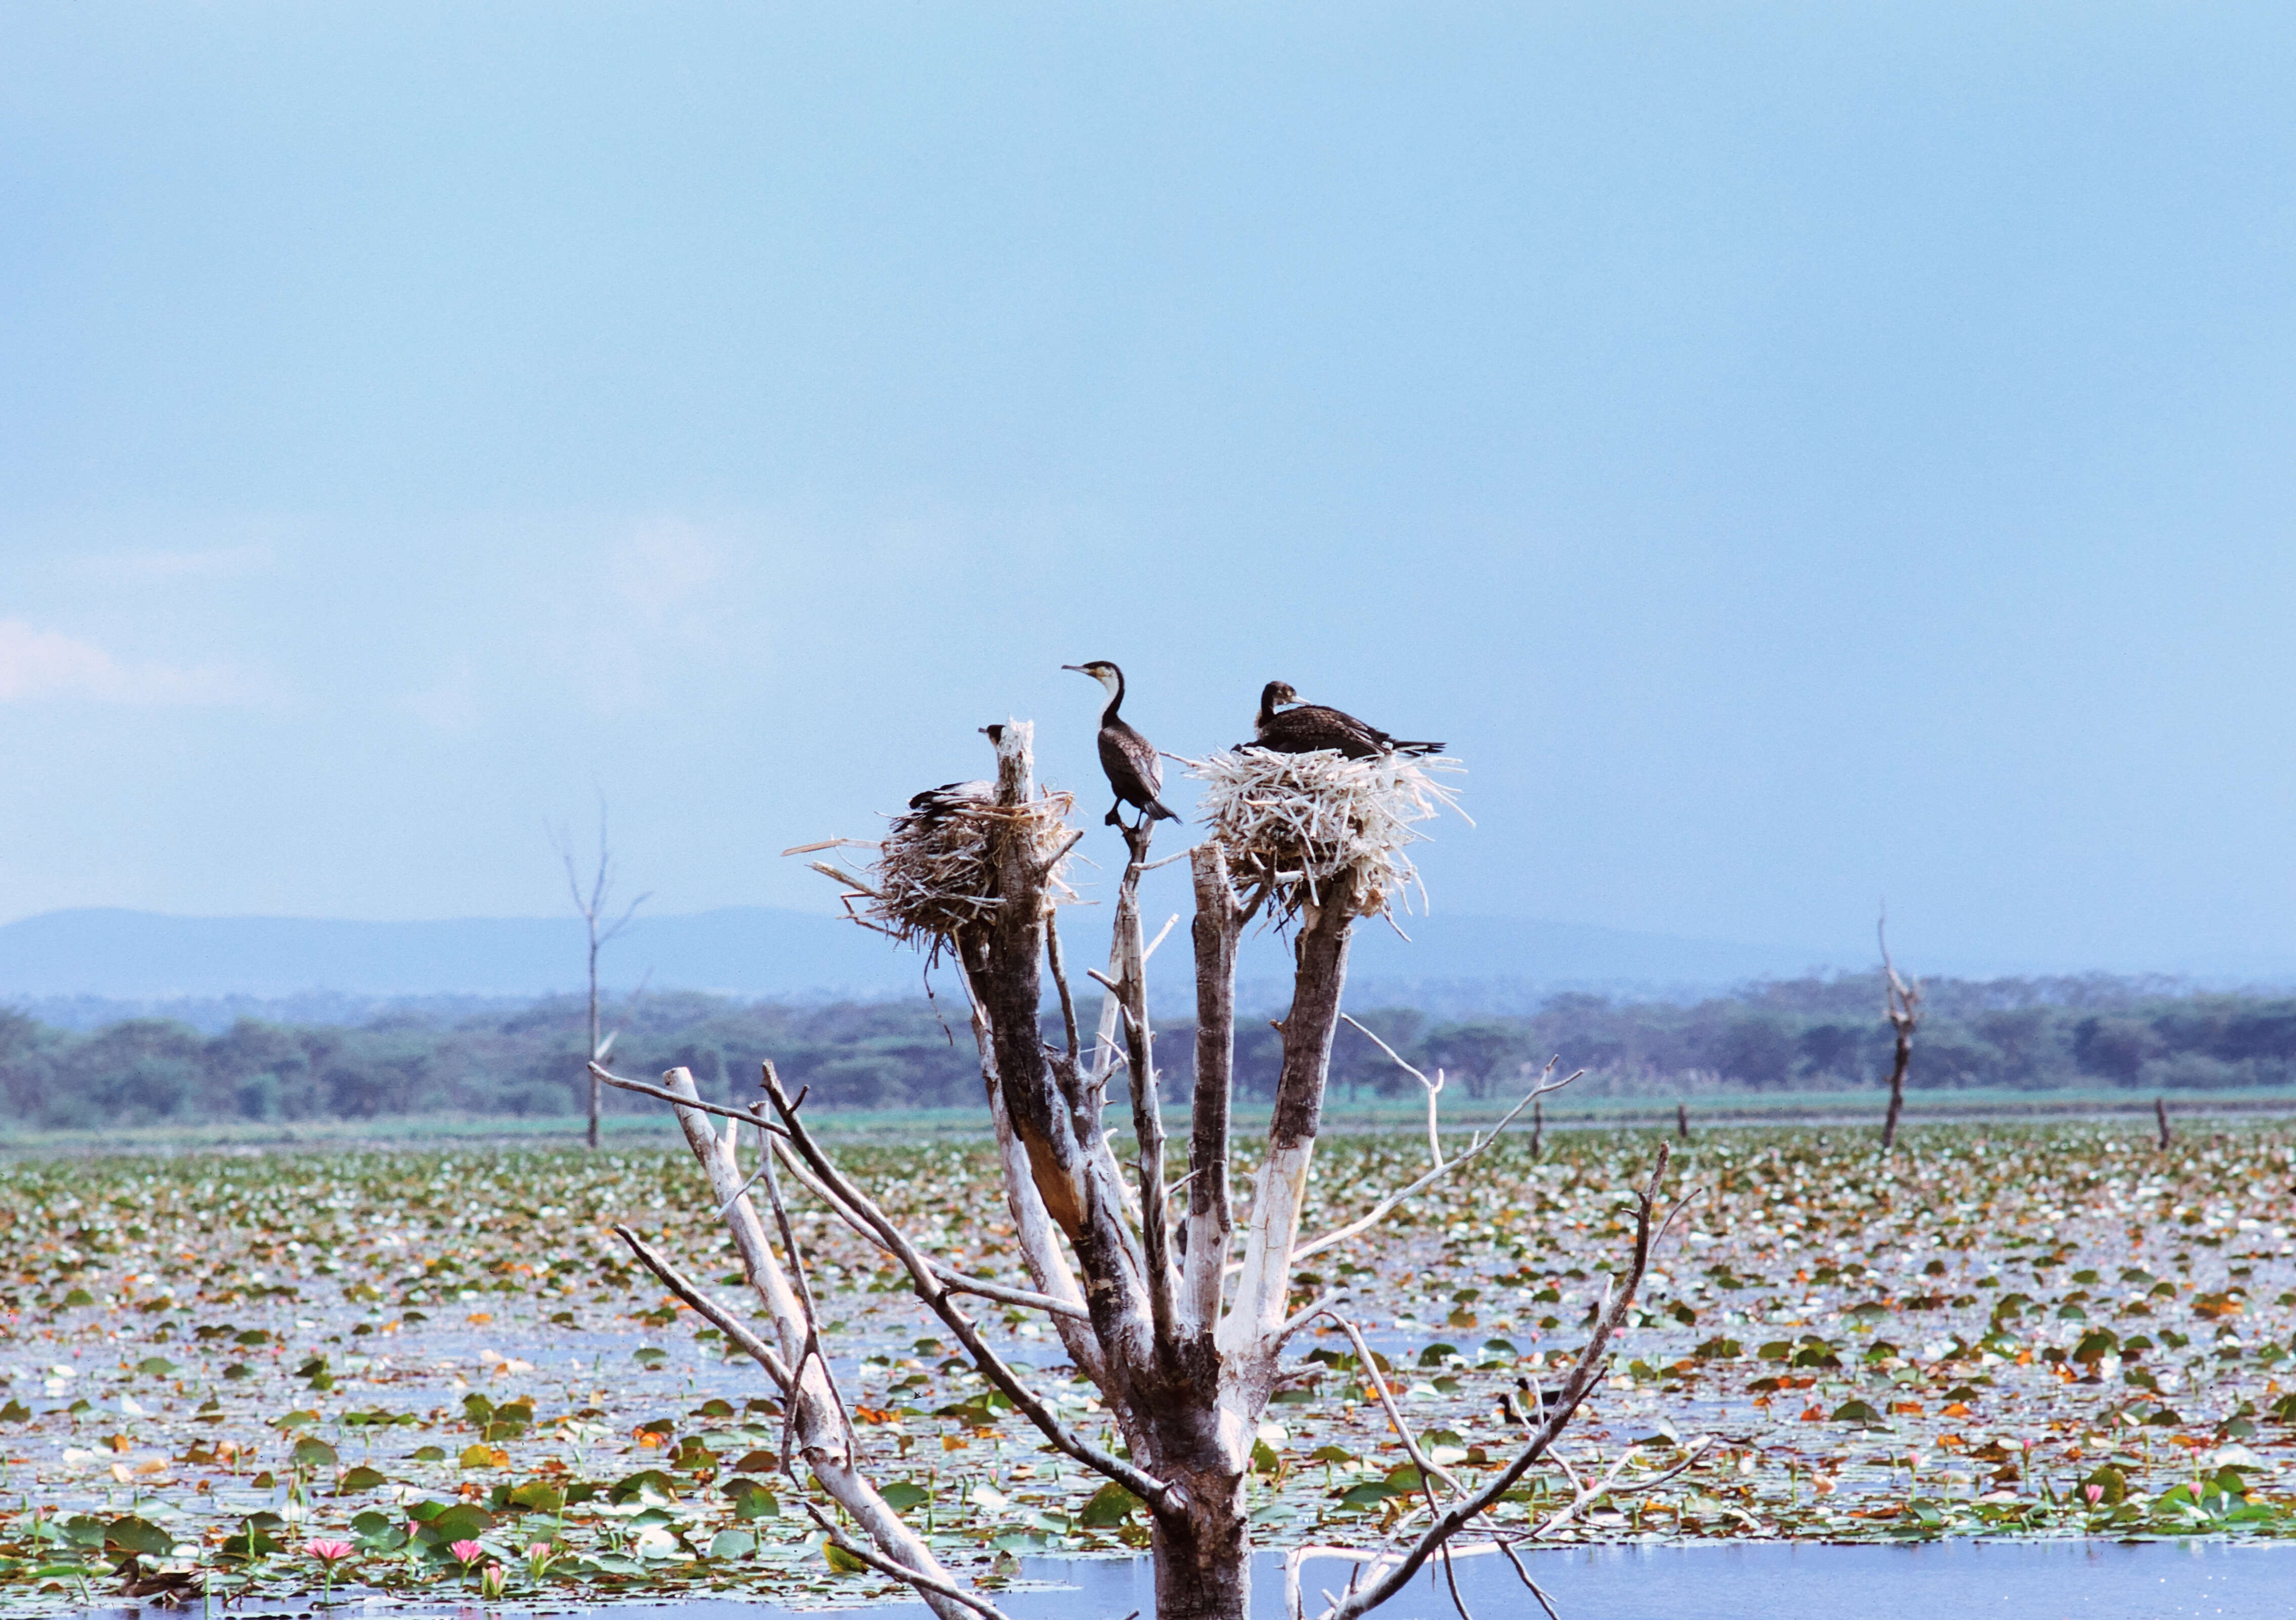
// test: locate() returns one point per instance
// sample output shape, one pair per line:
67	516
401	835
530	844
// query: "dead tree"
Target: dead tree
2160	1117
1902	1004
595	903
1180	1318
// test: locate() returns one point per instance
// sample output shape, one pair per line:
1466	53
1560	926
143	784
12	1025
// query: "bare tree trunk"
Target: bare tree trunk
1320	952
597	1086
1682	1120
1055	1117
1901	1003
590	900
1538	1128
2160	1114
1211	1224
1897	1083
1203	1563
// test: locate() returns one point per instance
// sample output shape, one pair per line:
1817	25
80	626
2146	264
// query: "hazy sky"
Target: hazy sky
1795	455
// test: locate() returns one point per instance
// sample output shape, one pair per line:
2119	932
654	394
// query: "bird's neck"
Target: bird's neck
1115	700
1266	703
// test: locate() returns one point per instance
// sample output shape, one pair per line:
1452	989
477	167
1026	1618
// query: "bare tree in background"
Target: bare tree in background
1902	1002
595	903
1177	1304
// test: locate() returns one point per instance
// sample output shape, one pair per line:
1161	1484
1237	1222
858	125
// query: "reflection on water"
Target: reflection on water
1750	1580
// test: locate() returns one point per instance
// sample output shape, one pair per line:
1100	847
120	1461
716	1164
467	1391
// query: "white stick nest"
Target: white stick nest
1293	823
936	870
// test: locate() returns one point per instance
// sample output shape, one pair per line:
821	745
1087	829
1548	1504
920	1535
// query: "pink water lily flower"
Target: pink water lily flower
466	1552
2095	1493
328	1552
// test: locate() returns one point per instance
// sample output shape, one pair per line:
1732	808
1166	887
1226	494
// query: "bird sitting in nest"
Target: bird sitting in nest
1309	728
935	805
938	805
1129	758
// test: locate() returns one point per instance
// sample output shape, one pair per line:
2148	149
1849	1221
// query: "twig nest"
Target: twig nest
936	870
1293	824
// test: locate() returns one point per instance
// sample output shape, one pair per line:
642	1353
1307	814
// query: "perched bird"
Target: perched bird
1129	758
1309	727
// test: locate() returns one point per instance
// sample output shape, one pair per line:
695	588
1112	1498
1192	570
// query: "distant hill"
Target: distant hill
1454	964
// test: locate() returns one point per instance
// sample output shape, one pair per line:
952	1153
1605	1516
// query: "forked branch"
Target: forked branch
1584	1373
1477	1146
937	1299
1434	1087
816	1426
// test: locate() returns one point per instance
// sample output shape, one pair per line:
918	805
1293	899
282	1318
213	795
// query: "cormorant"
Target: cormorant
1309	727
1129	758
937	804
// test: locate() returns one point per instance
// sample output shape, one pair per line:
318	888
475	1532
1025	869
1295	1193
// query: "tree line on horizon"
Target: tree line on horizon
1816	1034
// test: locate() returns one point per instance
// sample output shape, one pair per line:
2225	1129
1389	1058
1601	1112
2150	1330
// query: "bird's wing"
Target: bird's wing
1130	761
1361	732
1312	726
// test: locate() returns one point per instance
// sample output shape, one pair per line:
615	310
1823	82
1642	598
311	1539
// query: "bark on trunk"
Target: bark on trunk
1203	1563
1281	1189
1210	1225
1070	1167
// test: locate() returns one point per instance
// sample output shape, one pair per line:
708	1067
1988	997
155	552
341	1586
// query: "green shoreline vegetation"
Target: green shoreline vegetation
2001	1044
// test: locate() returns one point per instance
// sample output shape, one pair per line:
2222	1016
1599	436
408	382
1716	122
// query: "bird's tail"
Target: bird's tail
1419	749
1157	812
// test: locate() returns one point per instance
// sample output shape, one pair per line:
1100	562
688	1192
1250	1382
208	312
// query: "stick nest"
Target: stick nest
936	870
1291	824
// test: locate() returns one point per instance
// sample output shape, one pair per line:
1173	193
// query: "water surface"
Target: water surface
1938	1581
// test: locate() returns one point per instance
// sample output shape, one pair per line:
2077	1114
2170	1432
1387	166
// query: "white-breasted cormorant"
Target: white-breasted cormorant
1129	758
1311	726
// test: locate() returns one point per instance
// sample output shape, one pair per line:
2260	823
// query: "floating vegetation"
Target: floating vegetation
360	1372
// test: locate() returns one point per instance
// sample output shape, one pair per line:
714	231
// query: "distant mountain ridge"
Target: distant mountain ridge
1463	963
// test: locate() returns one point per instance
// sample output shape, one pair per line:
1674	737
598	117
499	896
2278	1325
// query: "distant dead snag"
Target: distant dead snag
1902	1004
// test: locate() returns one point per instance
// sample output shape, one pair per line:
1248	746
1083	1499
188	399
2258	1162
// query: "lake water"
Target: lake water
1940	1581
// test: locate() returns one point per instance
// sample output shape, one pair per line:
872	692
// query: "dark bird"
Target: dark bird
1519	1409
1129	758
1309	727
937	804
167	1586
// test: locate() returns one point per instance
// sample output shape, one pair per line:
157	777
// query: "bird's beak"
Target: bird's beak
1079	667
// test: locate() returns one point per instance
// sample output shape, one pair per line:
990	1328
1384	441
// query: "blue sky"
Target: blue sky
1795	455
